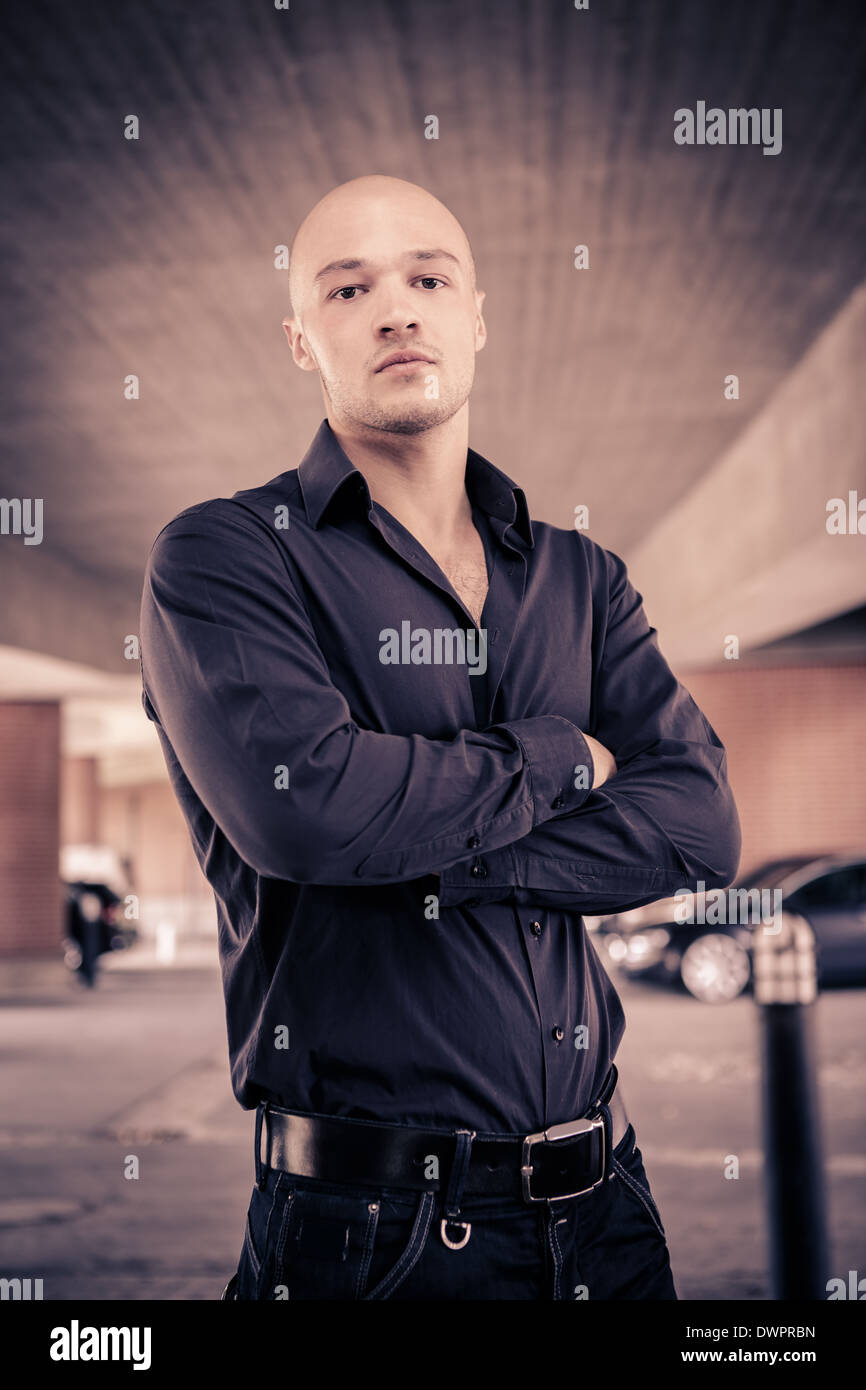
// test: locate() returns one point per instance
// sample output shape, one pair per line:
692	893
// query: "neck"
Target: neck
419	478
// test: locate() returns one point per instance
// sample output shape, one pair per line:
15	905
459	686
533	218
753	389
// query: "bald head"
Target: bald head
379	270
352	209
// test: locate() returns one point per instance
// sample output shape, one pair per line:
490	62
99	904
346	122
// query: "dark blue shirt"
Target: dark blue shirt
317	687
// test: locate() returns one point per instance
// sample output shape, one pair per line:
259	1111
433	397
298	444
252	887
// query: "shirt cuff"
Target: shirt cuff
483	878
562	772
561	767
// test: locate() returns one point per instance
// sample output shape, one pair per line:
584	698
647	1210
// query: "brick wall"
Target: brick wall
796	742
31	899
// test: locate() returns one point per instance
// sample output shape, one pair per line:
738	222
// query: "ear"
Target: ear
298	345
480	325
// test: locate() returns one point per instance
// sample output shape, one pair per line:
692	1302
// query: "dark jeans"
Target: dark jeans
307	1239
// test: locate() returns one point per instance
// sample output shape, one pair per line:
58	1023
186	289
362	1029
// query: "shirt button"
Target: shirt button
473	842
535	928
478	870
557	803
558	1034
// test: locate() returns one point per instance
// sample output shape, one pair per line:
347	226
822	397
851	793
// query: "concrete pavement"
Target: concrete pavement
140	1067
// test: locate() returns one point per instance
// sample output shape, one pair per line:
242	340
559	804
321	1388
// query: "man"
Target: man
416	736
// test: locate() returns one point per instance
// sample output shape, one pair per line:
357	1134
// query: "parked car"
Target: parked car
95	879
94	926
710	954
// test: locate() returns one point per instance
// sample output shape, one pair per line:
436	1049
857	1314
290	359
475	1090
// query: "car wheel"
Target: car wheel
715	968
72	955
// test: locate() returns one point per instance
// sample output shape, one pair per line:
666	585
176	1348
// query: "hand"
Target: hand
605	763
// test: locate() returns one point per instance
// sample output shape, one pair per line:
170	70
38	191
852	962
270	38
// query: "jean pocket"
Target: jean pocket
629	1169
250	1252
401	1237
349	1245
322	1247
267	1214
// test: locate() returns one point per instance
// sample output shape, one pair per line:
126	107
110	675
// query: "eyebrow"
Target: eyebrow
352	263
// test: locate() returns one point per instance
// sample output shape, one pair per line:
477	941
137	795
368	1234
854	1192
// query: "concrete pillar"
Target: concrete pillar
31	898
79	805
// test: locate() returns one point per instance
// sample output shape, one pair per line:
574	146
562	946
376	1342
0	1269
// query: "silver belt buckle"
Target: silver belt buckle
569	1130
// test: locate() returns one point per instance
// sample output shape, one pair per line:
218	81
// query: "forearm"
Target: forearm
662	824
666	820
235	680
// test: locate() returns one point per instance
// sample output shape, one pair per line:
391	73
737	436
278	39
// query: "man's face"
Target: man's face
381	278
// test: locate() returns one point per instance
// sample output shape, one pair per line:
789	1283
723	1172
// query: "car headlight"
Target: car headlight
645	945
616	947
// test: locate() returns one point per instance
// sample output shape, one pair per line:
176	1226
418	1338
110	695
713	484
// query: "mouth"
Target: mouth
403	361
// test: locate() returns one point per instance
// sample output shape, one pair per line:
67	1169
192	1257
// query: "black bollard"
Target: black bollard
785	983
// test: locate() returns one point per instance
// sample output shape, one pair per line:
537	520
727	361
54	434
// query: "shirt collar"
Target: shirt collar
326	470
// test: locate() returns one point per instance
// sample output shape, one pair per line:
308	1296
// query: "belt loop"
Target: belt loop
457	1177
602	1105
609	1086
262	1168
607	1120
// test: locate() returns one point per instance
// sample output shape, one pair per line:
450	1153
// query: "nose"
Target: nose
396	323
396	315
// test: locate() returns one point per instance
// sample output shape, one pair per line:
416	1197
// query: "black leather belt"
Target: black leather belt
565	1160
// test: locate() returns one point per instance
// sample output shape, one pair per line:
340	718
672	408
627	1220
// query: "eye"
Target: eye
346	289
431	277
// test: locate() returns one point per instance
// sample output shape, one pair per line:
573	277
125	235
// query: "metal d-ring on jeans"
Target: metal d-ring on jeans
307	1239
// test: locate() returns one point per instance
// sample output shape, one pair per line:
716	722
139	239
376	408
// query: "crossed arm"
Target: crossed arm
603	766
235	680
660	817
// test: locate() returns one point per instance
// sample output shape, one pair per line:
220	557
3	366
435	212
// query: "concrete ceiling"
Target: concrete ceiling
602	386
